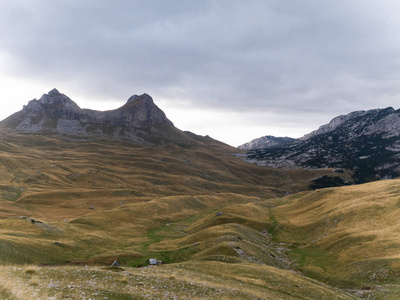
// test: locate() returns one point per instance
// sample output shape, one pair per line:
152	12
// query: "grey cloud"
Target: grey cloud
287	57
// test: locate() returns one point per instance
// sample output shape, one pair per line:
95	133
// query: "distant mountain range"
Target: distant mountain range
365	142
139	120
267	141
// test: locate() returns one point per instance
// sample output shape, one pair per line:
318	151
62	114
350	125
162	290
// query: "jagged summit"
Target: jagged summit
54	93
137	98
52	99
139	119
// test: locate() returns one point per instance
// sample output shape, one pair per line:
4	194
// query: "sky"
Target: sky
233	70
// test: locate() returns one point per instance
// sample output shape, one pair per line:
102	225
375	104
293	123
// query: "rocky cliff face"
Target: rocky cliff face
366	142
139	119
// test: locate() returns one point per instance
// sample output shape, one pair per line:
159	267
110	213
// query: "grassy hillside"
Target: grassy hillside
346	237
95	197
223	228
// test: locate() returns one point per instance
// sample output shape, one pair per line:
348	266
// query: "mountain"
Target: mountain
267	141
139	120
365	142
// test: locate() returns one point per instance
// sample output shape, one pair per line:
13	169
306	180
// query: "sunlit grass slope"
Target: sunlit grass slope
348	234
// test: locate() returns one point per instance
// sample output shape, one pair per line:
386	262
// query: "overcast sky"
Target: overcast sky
234	70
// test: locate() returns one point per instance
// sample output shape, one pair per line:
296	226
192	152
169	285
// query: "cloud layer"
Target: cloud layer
286	62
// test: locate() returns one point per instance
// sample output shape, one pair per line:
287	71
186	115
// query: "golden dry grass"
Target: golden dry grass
100	196
91	202
347	236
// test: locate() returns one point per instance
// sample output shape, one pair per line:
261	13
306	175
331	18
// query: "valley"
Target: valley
72	203
67	204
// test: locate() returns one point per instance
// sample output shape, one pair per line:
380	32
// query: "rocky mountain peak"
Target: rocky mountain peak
138	120
53	100
140	98
54	92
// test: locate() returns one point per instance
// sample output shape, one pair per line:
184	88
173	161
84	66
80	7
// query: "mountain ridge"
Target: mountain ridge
365	142
342	119
139	120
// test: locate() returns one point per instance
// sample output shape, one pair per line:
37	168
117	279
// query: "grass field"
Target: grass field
224	229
